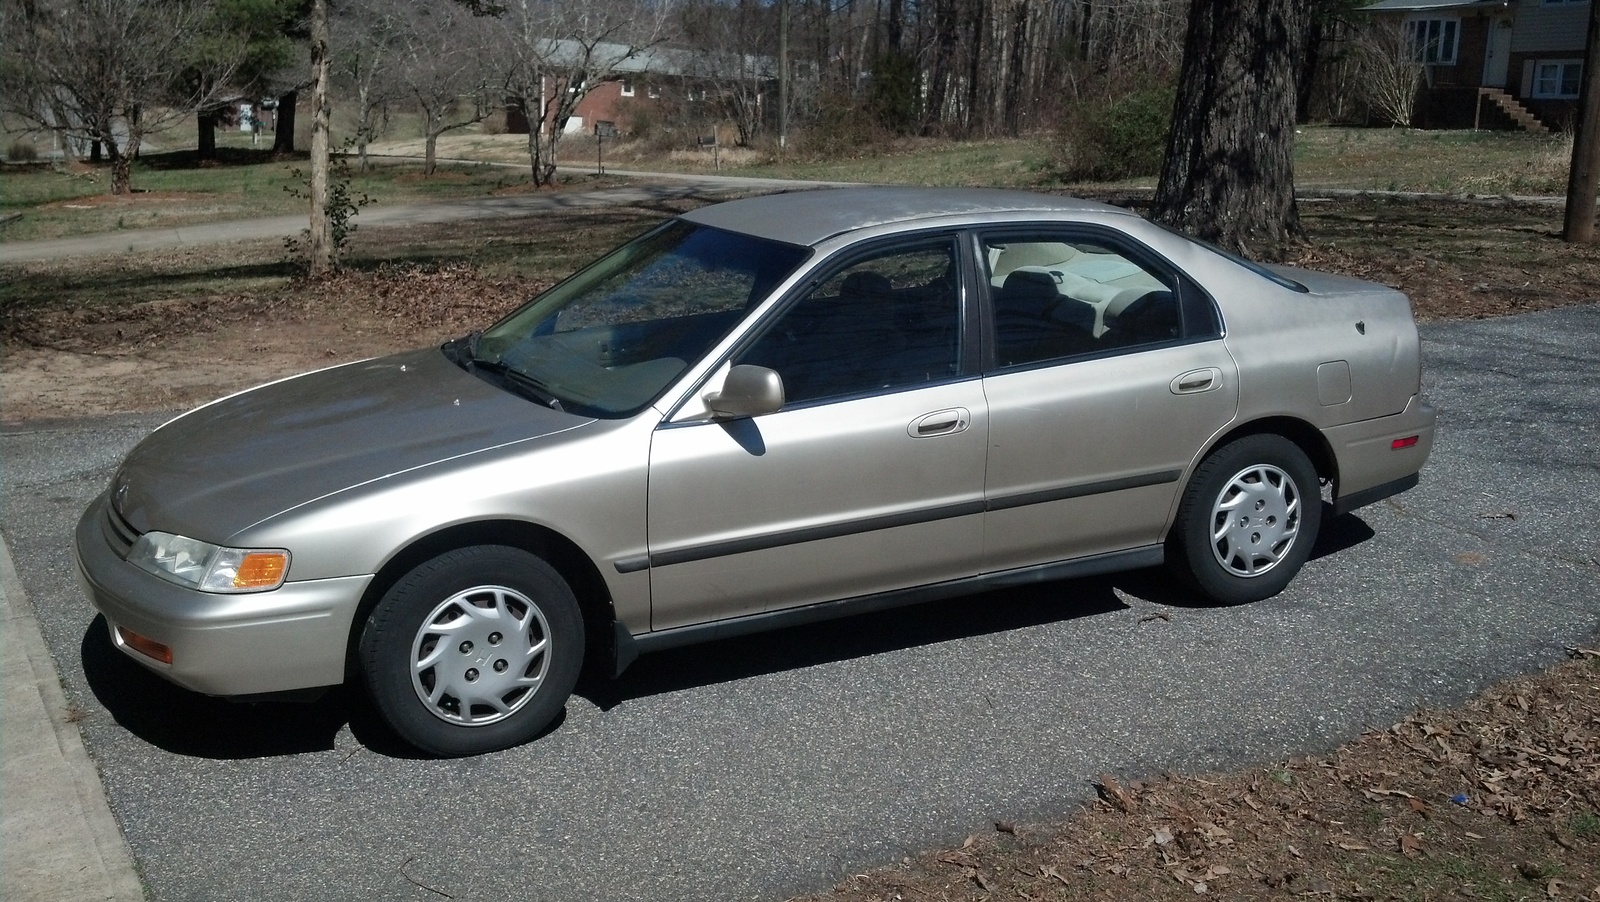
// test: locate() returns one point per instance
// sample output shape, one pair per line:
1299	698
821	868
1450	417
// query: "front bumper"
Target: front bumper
1370	467
294	637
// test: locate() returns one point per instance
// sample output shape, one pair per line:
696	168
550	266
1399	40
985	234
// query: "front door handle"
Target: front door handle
940	422
1196	381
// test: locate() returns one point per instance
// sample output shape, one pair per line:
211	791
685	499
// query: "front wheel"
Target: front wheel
473	651
1247	520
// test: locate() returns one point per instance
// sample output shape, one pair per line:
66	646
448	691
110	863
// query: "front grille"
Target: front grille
118	532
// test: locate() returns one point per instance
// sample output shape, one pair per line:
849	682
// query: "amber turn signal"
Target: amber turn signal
260	569
145	645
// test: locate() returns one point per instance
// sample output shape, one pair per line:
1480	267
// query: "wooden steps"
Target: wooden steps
1514	110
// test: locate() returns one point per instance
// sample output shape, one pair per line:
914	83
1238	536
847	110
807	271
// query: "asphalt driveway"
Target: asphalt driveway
767	766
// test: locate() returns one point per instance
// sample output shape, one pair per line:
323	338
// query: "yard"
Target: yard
1499	799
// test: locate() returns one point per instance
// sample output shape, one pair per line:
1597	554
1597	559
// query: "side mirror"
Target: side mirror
749	391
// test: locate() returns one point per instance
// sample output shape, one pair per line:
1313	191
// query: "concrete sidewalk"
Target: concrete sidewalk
58	839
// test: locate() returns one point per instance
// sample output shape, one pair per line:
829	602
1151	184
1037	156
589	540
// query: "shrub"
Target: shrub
840	129
1125	138
22	152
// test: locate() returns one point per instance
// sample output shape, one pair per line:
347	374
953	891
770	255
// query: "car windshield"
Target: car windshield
610	339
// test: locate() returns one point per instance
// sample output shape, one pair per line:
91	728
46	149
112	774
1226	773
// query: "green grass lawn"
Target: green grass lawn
173	189
1445	162
1441	162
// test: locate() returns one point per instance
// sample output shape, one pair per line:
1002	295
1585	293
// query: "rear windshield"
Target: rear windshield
1259	269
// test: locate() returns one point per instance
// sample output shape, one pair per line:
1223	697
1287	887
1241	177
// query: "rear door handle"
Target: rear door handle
940	422
1196	381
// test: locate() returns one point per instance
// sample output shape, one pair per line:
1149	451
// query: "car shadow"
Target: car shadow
1336	534
184	722
863	635
188	723
1339	533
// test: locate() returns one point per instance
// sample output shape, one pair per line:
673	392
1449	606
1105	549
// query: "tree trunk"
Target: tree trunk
430	147
975	63
1228	176
121	169
364	130
1310	58
1016	84
551	145
1584	181
535	144
322	250
283	131
946	21
206	140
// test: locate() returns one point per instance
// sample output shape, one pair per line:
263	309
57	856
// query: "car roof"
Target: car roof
809	217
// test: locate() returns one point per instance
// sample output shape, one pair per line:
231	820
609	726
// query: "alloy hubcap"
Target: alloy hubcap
480	656
1255	520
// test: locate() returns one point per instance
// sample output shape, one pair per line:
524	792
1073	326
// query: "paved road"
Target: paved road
652	186
767	766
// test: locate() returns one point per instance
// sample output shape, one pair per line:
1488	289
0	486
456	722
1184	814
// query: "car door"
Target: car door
869	479
1107	376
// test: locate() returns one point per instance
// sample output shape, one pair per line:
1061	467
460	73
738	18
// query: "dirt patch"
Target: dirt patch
1455	259
169	355
135	198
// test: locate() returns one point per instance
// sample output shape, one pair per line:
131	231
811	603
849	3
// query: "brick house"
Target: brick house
1494	63
650	78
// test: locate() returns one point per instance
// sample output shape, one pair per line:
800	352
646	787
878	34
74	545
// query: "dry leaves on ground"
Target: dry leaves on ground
1497	799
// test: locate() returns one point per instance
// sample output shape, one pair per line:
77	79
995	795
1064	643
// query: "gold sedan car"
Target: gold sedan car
760	413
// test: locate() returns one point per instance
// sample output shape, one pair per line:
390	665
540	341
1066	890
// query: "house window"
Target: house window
1557	79
652	91
627	87
1434	41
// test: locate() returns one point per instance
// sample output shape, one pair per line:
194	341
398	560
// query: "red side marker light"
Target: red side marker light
145	645
1406	442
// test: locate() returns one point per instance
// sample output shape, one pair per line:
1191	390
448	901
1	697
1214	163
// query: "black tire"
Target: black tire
1247	521
493	634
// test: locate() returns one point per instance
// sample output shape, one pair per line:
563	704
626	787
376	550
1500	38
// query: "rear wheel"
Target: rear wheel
1247	521
473	651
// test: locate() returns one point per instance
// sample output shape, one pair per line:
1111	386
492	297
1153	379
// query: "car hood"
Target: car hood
233	463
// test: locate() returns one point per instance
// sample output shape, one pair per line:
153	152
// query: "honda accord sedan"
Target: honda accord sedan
763	412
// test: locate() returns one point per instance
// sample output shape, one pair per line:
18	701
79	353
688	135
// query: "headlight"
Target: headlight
208	567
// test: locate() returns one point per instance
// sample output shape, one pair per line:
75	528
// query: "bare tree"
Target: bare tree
1228	175
364	49
1390	72
439	64
108	72
1010	66
554	52
732	51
